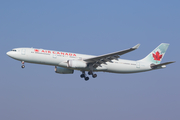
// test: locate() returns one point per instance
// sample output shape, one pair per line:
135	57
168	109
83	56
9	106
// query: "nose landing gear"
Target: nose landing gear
23	66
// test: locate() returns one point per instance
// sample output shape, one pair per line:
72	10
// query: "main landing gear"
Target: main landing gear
91	73
83	75
23	66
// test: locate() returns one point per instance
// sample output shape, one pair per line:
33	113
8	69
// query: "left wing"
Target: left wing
97	61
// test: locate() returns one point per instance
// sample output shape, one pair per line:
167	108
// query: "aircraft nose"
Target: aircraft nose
12	54
8	53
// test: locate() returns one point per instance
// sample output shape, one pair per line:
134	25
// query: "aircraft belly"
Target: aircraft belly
125	68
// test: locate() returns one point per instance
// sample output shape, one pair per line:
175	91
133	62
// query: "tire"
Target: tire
90	73
94	76
22	66
86	78
82	75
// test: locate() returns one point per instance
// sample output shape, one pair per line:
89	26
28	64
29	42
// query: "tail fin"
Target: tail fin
157	54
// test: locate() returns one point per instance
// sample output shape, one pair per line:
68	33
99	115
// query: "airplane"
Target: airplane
67	62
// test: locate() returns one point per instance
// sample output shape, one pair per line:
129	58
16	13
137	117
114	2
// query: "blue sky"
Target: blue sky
96	28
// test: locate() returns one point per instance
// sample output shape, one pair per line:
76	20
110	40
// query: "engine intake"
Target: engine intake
76	64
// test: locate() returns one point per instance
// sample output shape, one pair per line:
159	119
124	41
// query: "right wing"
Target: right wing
97	61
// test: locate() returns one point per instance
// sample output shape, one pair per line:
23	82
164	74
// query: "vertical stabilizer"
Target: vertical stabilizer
157	54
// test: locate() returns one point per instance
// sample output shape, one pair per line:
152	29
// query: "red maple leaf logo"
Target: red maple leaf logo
157	56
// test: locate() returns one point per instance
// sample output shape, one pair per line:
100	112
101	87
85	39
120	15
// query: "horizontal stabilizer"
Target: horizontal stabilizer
153	66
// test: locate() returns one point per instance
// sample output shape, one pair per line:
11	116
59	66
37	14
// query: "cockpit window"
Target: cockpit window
13	50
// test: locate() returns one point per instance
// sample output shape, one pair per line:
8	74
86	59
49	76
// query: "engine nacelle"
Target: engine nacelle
76	64
62	70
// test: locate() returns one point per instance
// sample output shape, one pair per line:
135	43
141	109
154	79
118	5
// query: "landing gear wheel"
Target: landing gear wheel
23	66
90	73
86	78
94	75
82	75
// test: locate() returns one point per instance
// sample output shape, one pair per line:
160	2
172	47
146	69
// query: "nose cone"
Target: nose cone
11	54
8	53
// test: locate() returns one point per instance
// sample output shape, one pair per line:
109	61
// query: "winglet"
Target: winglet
136	46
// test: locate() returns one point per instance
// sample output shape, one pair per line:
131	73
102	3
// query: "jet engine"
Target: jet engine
76	64
62	70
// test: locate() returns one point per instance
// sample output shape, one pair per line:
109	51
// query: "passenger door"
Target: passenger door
23	51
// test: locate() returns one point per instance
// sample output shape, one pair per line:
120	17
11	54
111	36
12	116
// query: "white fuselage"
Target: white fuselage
59	58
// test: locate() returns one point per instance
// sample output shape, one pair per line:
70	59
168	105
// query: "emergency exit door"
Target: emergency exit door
138	65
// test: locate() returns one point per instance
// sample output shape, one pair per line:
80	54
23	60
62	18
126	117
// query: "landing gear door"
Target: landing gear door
23	51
